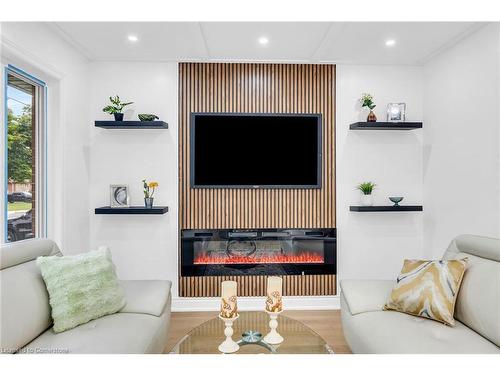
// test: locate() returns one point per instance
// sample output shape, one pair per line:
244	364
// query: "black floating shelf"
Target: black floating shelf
132	124
134	210
385	208
385	125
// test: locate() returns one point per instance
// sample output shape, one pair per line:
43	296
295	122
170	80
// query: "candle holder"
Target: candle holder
273	337
228	345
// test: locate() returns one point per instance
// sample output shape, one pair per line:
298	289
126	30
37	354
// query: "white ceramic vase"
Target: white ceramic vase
366	200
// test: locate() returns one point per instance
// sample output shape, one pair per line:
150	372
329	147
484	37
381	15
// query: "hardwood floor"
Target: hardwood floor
326	323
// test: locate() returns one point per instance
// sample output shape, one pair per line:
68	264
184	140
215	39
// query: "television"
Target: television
255	150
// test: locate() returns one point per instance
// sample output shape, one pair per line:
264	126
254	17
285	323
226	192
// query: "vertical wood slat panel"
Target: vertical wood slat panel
251	286
275	88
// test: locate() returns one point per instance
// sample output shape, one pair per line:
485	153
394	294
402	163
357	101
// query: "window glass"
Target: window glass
22	162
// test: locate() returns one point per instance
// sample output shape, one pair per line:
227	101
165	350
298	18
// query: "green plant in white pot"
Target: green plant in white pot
366	189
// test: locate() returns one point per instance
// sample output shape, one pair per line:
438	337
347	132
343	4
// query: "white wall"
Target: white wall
374	245
461	134
146	246
143	246
36	49
459	90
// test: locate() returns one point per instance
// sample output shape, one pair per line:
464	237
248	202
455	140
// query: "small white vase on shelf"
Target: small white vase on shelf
366	200
228	345
273	337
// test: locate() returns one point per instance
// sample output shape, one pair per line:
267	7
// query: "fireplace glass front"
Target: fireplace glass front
258	252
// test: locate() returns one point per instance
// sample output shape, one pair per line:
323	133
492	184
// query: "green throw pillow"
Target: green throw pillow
81	287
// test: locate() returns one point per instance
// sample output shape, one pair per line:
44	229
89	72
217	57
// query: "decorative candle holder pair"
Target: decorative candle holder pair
230	346
229	312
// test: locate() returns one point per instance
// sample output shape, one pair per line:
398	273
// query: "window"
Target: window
25	156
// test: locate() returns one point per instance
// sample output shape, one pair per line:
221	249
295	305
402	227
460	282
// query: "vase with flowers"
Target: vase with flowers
367	101
149	191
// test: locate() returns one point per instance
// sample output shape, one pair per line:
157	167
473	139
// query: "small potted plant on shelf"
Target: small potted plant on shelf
367	101
116	107
149	191
366	189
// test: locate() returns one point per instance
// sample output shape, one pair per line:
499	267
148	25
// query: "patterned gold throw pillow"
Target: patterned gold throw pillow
428	289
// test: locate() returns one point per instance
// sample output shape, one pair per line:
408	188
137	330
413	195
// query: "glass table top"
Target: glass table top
298	338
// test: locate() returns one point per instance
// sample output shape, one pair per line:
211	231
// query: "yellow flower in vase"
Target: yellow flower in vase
149	190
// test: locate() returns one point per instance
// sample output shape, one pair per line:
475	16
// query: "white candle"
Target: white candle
229	308
274	293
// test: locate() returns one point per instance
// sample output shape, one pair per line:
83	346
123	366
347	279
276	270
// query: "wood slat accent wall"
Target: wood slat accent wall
271	88
250	286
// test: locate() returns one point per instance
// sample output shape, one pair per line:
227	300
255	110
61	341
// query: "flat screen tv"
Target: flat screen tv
255	150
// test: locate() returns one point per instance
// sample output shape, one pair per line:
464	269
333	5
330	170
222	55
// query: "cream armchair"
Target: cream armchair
140	327
368	329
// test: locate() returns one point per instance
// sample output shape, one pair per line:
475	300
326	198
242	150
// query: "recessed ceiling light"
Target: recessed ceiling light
133	38
390	42
263	40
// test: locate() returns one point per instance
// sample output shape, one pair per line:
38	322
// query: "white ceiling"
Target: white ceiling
339	42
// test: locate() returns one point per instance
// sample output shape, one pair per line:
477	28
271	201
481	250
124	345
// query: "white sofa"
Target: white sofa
369	329
140	327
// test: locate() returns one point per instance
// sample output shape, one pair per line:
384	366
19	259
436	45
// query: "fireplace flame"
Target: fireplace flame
241	259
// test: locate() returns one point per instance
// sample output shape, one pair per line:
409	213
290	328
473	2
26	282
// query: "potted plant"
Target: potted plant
367	101
149	191
366	188
116	107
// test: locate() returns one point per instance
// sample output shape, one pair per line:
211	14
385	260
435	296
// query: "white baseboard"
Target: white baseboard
257	303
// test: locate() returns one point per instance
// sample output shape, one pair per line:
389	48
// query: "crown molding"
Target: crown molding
18	55
70	40
453	41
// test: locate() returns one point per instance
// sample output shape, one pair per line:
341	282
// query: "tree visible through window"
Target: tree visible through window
19	144
23	135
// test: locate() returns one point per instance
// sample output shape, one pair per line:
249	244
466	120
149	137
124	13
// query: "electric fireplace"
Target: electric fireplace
258	252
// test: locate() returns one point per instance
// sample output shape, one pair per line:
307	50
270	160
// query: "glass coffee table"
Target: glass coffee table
299	339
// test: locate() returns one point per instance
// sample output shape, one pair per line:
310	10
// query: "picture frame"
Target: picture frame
396	112
119	196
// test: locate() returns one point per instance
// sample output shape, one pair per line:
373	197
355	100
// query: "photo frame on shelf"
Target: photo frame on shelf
119	196
396	112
